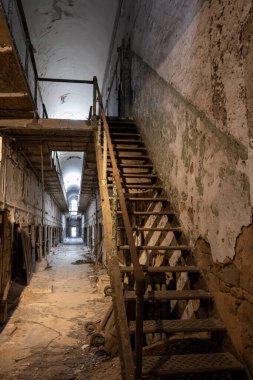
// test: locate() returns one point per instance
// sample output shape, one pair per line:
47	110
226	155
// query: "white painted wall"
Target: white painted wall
71	40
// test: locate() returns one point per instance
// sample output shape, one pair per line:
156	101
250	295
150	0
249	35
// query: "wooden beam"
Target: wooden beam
45	125
13	94
5	49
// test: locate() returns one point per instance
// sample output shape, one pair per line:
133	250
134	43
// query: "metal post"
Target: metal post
45	115
35	92
4	170
43	186
10	13
26	56
140	290
94	96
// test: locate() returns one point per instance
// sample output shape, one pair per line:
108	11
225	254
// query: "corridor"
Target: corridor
45	337
126	190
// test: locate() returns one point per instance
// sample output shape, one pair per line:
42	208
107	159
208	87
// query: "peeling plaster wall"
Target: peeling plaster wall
192	96
92	224
23	193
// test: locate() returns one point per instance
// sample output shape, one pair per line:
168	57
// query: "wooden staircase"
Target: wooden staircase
174	329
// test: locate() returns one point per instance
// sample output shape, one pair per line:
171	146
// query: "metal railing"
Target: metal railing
139	277
15	17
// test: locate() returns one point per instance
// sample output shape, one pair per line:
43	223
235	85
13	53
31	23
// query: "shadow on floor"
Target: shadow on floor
73	241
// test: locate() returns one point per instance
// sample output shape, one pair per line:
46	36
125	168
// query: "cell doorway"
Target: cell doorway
73	232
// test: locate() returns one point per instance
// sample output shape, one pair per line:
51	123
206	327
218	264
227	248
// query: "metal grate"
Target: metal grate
175	326
187	364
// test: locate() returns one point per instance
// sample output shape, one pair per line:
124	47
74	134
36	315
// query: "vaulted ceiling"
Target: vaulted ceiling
71	39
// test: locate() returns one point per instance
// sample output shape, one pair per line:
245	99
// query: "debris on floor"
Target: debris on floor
45	337
78	262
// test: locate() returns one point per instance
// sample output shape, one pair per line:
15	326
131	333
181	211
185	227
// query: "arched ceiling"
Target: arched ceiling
71	40
71	164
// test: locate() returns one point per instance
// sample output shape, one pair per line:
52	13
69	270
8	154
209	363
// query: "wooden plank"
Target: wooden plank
13	94
126	141
139	175
148	213
158	247
163	269
179	325
5	49
46	125
170	295
151	187
139	166
150	199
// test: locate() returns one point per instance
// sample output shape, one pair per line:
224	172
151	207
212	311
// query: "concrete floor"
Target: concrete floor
45	337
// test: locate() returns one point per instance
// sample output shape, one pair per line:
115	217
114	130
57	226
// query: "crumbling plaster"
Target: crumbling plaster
192	99
23	192
91	221
189	95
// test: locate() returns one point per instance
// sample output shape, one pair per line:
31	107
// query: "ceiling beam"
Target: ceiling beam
45	125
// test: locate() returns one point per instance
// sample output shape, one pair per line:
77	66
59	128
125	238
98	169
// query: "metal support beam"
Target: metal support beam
59	80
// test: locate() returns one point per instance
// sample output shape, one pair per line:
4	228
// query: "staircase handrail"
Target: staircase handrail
137	268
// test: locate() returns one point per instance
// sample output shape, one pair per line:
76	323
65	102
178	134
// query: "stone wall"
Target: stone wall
192	96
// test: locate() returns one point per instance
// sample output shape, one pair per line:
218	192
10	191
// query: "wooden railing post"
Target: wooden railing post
114	219
140	291
99	133
104	158
137	269
125	352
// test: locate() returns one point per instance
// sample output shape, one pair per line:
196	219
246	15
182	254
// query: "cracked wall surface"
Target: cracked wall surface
192	96
23	193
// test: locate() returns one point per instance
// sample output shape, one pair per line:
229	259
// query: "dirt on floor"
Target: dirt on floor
45	337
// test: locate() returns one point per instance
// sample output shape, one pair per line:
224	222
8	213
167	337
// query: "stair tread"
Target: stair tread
139	199
119	121
130	175
150	199
140	166
140	186
147	182
125	134
129	149
169	212
153	229
127	141
178	268
179	325
122	124
192	363
158	247
169	295
132	157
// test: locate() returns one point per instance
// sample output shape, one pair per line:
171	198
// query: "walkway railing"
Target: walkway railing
102	160
18	27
